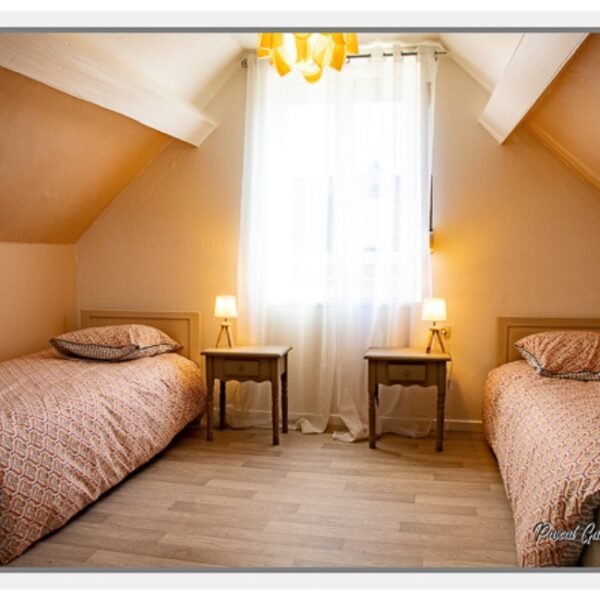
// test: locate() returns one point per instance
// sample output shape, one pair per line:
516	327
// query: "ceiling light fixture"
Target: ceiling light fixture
310	53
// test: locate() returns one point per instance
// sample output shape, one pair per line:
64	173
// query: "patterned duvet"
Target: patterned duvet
546	436
70	429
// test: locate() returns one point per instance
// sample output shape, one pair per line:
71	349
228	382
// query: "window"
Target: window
334	225
338	195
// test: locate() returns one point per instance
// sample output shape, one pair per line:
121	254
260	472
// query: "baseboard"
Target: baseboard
336	422
450	424
463	425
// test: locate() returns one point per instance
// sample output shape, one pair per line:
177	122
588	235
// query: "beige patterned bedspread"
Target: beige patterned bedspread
546	436
70	429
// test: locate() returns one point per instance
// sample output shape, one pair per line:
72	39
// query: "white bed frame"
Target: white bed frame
183	327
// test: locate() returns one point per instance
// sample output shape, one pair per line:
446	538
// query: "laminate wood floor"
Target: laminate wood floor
310	502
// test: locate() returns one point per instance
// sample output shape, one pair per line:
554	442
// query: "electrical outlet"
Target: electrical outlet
446	331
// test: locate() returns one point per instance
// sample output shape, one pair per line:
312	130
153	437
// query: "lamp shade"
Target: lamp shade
434	309
225	306
310	53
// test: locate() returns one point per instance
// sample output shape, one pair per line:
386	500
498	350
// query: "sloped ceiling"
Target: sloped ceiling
483	55
567	117
191	66
122	72
62	160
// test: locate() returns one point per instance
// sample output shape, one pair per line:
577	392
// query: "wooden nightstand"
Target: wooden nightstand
406	366
248	363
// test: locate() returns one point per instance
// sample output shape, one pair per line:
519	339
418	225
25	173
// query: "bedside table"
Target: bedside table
406	366
248	363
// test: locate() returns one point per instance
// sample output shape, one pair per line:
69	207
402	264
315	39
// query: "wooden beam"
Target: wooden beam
84	71
536	62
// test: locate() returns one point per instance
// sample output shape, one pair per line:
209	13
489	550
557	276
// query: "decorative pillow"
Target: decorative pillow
563	354
115	342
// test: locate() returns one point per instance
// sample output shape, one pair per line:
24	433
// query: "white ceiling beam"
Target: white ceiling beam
535	63
84	71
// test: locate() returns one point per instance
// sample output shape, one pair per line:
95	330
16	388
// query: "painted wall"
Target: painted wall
516	231
516	234
566	117
169	242
62	160
37	295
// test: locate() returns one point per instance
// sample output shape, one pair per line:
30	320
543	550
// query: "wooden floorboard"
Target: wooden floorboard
310	502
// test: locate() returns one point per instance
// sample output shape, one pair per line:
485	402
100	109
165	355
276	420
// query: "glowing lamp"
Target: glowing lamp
309	53
434	310
225	308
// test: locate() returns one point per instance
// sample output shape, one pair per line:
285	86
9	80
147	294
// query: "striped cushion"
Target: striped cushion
115	342
563	354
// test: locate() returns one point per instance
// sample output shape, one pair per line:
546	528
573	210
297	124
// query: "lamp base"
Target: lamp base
225	332
435	333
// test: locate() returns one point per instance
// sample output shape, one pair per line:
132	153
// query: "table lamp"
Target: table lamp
225	308
434	309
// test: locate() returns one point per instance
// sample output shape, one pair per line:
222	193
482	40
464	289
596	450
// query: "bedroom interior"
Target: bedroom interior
378	249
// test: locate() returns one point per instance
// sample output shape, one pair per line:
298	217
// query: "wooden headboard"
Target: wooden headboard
183	327
512	329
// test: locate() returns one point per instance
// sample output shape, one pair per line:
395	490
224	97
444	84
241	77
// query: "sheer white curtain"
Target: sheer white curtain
334	228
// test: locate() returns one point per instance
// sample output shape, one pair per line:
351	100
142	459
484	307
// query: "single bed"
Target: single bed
72	428
545	434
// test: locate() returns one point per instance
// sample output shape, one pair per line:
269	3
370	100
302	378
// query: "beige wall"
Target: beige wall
566	117
62	160
516	234
516	231
169	242
37	299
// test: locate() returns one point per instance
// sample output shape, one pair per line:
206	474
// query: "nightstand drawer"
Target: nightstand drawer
407	372
247	368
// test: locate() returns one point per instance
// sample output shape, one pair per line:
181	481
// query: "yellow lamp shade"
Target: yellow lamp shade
352	43
225	307
309	53
434	309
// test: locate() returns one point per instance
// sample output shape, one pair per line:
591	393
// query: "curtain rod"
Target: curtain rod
436	53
